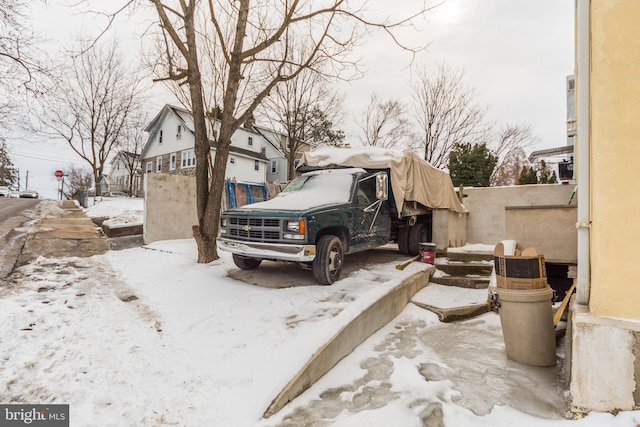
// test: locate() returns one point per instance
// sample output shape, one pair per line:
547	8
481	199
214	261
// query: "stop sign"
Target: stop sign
59	174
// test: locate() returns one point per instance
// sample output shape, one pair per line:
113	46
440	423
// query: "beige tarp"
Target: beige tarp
412	178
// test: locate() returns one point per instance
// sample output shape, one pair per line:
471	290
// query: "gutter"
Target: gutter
583	150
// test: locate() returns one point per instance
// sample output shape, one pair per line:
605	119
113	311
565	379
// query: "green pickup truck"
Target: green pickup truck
334	209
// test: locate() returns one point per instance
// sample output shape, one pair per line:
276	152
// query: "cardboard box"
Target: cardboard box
522	267
524	270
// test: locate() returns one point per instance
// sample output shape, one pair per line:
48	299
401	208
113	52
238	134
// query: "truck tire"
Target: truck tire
403	240
327	264
419	233
246	263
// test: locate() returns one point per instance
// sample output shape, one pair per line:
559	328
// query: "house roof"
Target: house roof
128	154
187	119
565	149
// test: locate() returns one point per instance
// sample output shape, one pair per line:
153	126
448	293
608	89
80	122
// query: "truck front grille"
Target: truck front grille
255	229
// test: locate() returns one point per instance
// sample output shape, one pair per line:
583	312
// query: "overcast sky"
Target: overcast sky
517	55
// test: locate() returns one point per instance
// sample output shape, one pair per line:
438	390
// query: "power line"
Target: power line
49	158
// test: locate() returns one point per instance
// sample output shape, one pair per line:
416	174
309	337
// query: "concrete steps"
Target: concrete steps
464	270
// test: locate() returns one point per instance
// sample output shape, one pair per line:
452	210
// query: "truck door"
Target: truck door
373	224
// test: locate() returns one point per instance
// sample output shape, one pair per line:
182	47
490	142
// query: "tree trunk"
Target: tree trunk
206	246
203	232
96	180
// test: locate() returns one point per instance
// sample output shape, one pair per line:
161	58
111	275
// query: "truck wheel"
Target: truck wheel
246	263
419	233
327	264
403	240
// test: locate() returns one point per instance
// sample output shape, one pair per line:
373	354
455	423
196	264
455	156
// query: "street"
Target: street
13	214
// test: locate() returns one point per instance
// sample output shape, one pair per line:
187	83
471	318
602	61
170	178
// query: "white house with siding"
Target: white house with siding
170	148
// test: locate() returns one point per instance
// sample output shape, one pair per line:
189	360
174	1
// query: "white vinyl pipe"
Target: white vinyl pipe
583	80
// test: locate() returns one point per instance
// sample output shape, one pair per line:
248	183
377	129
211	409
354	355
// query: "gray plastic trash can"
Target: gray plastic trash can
526	317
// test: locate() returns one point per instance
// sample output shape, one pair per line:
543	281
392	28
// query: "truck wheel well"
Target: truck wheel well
341	232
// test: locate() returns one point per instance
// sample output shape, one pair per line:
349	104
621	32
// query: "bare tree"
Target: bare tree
91	105
514	136
307	108
79	178
447	113
509	145
384	124
253	47
130	146
21	62
509	169
18	53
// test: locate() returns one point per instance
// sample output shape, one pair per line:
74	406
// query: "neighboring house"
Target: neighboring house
561	159
121	175
253	157
276	147
603	354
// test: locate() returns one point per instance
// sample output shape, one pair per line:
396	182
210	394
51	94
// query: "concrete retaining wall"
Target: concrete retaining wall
538	216
349	337
169	207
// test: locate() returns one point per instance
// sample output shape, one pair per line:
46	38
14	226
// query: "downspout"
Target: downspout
583	155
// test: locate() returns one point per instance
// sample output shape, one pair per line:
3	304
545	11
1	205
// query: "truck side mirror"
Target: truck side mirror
382	186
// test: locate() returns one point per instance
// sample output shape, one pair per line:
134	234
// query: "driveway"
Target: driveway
272	274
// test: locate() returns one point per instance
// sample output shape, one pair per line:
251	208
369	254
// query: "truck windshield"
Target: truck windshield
309	191
334	187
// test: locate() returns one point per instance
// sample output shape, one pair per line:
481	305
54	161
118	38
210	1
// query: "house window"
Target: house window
250	141
256	165
232	160
274	166
172	161
159	164
149	167
160	137
179	133
188	158
263	151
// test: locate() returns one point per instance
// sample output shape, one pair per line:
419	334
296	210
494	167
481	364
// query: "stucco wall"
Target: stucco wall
604	375
615	150
170	207
538	216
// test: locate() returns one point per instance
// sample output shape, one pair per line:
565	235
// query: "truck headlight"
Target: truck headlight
296	226
296	229
223	222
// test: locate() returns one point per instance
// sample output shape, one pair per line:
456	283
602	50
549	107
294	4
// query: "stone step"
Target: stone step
473	282
466	268
468	256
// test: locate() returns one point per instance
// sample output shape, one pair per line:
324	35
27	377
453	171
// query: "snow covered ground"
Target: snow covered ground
148	337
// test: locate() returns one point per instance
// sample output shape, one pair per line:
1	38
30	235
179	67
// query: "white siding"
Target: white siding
242	169
170	144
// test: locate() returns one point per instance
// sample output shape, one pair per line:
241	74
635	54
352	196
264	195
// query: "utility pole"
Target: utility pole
26	181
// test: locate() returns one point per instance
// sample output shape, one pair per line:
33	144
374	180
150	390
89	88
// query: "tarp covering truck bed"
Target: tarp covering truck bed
412	178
